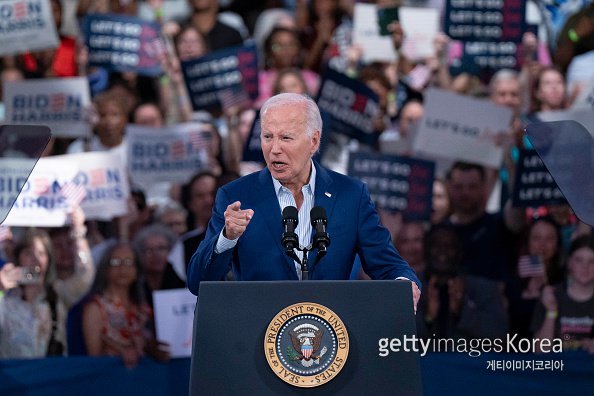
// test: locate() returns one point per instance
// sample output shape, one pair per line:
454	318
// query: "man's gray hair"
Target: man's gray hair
502	75
313	119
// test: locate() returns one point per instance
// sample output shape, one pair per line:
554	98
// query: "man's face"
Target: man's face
410	243
201	5
286	146
507	93
202	194
148	115
467	191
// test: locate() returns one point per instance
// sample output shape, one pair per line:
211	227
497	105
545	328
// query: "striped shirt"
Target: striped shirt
285	198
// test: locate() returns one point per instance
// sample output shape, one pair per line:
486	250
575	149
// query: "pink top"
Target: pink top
266	79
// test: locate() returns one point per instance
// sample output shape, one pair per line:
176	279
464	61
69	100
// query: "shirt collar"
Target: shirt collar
312	181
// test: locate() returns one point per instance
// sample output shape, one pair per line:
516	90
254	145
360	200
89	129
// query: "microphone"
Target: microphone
289	239
321	240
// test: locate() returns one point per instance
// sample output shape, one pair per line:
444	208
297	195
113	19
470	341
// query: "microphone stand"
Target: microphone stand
304	263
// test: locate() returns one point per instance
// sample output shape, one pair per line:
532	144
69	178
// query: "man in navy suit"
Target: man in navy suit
245	229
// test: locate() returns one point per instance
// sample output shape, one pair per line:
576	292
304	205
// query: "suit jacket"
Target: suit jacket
353	226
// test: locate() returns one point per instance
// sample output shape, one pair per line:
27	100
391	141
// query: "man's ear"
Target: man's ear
315	141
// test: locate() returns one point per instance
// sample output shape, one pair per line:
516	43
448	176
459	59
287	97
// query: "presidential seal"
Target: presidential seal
306	345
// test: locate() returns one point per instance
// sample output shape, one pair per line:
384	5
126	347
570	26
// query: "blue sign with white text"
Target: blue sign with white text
123	43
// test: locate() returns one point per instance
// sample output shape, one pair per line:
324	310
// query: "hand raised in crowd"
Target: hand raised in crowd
9	276
529	49
529	44
534	287
440	45
82	58
158	350
236	220
397	34
548	299
76	218
155	4
354	53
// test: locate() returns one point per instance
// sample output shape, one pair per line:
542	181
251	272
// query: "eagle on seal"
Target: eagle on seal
306	340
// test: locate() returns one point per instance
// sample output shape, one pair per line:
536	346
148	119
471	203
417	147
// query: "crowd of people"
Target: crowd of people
86	288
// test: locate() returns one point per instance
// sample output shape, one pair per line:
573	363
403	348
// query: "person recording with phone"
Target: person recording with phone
35	295
250	221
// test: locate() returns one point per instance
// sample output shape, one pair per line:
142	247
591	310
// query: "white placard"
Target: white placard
40	202
461	128
174	318
584	116
59	103
366	34
102	174
169	154
585	98
26	25
420	26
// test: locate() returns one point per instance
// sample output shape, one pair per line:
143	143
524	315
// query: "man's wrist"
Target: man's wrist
78	232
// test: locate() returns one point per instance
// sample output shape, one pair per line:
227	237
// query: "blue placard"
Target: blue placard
223	78
252	150
396	184
534	186
485	20
348	107
490	31
123	43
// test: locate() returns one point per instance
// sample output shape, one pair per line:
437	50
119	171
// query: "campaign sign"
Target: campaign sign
26	25
223	78
490	30
462	128
171	154
366	34
397	184
534	186
174	320
351	105
485	20
252	150
123	43
103	174
41	202
59	103
420	25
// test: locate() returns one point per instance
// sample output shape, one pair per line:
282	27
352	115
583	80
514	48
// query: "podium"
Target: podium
312	337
